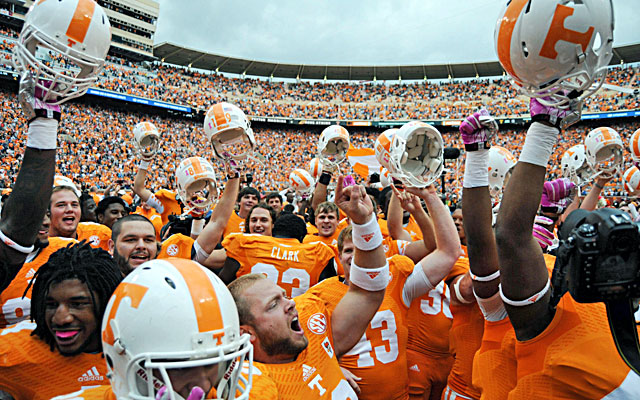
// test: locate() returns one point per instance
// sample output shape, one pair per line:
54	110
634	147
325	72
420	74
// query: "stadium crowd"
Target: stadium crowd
139	258
424	100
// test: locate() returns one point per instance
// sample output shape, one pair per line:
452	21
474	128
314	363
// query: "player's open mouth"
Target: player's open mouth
66	338
295	325
139	258
68	219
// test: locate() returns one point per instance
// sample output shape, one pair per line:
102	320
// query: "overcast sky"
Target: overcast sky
349	32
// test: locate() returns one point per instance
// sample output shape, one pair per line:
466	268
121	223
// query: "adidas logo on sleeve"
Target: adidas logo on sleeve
91	376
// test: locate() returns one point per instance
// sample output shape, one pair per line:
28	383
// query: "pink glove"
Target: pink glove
30	98
476	130
555	195
561	118
348	181
542	234
558	189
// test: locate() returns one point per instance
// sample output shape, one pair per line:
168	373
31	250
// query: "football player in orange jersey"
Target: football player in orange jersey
65	219
494	365
110	209
247	198
15	304
559	347
326	221
133	242
293	265
300	340
60	351
202	248
191	299
379	358
260	219
23	210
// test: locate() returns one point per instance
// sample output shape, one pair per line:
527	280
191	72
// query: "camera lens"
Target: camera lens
623	244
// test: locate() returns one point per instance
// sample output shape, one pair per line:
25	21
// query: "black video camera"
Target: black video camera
599	256
598	261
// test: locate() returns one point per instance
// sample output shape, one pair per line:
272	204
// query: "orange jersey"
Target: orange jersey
394	247
170	205
411	228
235	224
315	374
97	235
292	265
430	316
311	230
154	217
330	240
16	308
494	365
30	370
380	357
177	245
465	337
574	358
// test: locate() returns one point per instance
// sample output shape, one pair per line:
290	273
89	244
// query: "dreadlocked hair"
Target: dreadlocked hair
93	267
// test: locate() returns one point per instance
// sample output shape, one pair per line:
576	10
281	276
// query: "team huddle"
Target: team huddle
332	289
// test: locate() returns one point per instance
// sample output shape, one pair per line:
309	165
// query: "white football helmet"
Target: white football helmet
76	30
229	132
60	180
631	180
551	48
604	152
415	154
146	139
574	165
197	184
302	181
501	162
333	145
383	148
315	168
173	314
634	147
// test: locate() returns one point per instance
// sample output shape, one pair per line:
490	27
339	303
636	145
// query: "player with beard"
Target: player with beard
15	304
59	351
299	340
133	242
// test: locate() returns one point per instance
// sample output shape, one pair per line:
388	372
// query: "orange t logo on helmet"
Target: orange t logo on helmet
558	32
80	22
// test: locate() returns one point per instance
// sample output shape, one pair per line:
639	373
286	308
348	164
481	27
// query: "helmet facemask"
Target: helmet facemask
200	195
235	143
417	149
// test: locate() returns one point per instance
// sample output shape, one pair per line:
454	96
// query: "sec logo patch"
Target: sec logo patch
317	323
172	250
94	240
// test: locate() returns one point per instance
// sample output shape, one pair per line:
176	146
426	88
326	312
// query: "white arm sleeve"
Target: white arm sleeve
201	255
417	284
153	201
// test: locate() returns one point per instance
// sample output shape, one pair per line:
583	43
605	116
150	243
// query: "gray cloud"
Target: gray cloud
373	32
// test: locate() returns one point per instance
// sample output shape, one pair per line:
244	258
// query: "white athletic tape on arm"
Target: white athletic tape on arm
533	299
201	255
487	278
416	285
43	134
14	245
371	279
492	308
144	165
459	296
196	226
367	236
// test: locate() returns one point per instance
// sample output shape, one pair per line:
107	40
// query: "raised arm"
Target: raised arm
369	269
320	192
438	264
138	183
212	232
524	276
394	218
590	201
23	212
417	250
